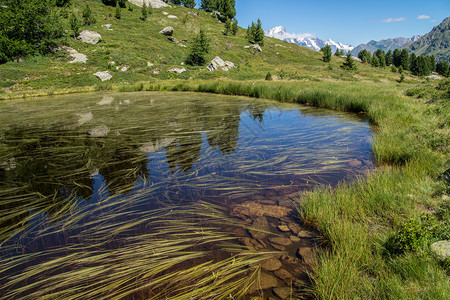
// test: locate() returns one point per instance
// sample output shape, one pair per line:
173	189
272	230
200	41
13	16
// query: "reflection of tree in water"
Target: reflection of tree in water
47	174
184	152
121	167
257	112
224	132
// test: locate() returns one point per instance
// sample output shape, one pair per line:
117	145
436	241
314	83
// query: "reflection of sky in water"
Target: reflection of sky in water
182	147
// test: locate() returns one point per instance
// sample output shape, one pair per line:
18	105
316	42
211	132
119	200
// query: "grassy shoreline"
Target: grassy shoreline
357	219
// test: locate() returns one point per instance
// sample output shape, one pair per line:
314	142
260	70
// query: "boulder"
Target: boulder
257	47
88	36
280	241
253	210
106	100
77	57
177	70
149	64
153	3
434	77
107	26
103	76
168	31
441	249
172	17
218	63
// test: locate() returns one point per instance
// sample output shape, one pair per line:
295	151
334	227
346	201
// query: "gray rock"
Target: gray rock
177	70
434	77
257	47
218	63
165	13
88	36
441	249
158	145
153	3
107	26
106	100
172	39
149	64
168	31
123	69
77	57
103	76
172	17
84	118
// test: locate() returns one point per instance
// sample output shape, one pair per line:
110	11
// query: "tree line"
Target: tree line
400	60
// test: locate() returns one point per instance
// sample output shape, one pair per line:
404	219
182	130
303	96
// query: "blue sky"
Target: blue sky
347	22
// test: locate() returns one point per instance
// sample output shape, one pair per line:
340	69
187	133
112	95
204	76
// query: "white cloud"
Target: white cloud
433	21
389	20
423	17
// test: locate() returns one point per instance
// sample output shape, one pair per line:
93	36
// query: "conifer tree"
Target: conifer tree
234	27
199	49
87	15
375	61
431	63
396	58
144	12
118	13
404	59
389	58
326	53
208	5
413	66
349	63
381	58
442	68
259	34
122	3
228	27
189	3
365	56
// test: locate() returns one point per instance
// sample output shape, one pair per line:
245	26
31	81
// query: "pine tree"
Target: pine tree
118	13
122	3
199	49
349	63
375	61
389	58
431	63
87	15
404	59
326	53
381	57
396	58
74	24
144	12
227	8
208	5
413	64
365	56
189	3
234	27
259	34
442	68
228	28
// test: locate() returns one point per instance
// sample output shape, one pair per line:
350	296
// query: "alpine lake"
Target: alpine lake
165	195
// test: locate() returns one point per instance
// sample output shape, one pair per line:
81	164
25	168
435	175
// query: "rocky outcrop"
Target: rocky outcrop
77	57
168	31
219	64
103	76
153	3
88	36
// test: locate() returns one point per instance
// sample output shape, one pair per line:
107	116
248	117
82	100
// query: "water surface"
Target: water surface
71	164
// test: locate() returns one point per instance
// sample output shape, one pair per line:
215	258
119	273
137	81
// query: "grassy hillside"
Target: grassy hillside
132	42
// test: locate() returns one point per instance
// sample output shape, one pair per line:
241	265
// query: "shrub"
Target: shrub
87	15
268	76
74	25
122	3
110	2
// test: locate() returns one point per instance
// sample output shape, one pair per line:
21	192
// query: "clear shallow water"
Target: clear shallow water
76	163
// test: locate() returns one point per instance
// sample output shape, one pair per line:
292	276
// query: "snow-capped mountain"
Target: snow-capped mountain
305	39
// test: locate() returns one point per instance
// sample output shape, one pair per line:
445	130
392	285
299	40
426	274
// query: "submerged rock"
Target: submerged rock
253	210
106	100
280	241
84	118
271	264
283	292
99	131
266	281
151	147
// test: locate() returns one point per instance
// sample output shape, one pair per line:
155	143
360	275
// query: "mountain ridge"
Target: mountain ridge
385	45
305	39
